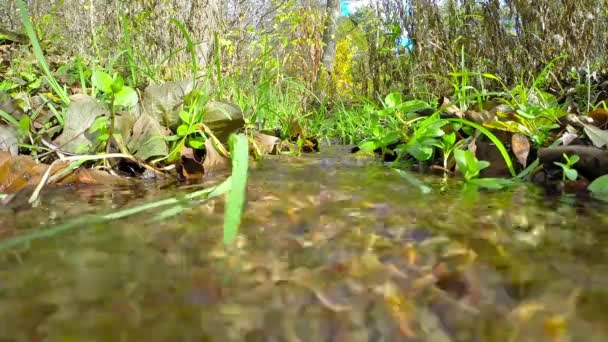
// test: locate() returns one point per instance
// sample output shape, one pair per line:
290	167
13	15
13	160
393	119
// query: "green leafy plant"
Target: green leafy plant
426	133
569	172
447	145
381	139
115	94
189	131
468	164
494	139
470	167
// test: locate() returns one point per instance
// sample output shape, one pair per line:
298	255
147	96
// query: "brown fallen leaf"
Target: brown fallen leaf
521	148
450	109
599	116
89	176
264	143
190	165
17	172
214	161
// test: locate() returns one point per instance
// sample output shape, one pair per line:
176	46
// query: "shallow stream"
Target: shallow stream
333	247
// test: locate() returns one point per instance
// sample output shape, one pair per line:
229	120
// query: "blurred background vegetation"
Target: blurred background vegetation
276	48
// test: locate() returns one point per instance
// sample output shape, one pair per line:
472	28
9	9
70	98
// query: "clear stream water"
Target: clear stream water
333	247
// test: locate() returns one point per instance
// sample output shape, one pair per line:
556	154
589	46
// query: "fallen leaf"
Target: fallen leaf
265	144
599	116
598	137
521	148
164	102
479	116
190	166
223	119
568	138
17	172
599	186
8	140
450	109
80	115
147	138
89	176
214	161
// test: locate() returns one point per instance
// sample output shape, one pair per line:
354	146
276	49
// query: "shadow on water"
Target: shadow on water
332	248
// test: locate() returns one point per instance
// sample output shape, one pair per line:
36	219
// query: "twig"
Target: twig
78	160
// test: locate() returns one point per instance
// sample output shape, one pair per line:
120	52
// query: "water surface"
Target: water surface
333	247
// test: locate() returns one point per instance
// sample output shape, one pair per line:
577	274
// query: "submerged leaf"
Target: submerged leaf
492	183
414	181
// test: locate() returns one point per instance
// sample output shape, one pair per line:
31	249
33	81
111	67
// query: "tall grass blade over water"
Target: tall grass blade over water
235	201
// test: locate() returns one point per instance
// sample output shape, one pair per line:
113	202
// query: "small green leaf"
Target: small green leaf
197	143
126	97
390	138
103	137
573	160
482	164
25	123
182	130
118	84
102	81
392	100
422	151
100	124
172	137
368	146
449	139
185	116
35	85
571	174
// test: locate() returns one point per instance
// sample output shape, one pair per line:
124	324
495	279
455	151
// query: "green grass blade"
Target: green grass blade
190	45
499	145
90	220
29	29
6	116
235	201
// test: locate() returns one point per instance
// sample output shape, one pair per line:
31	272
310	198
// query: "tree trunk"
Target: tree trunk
330	34
324	79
